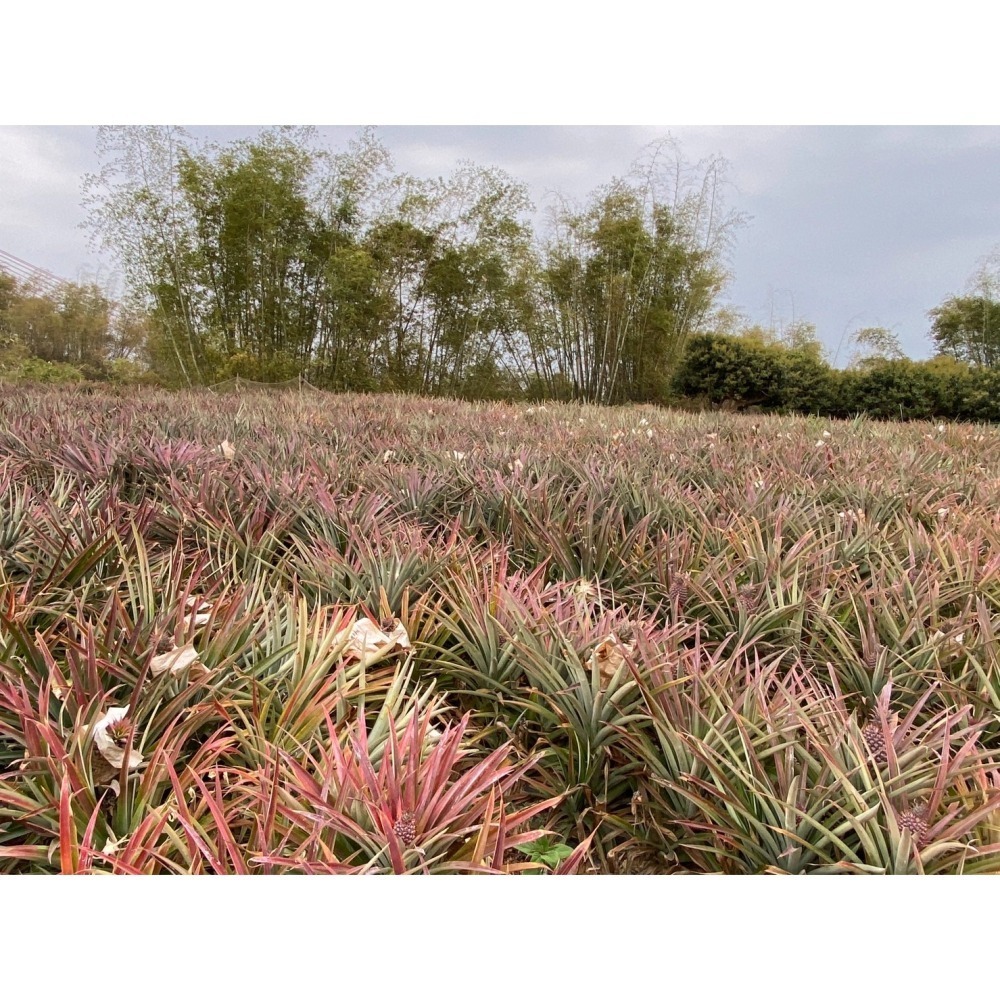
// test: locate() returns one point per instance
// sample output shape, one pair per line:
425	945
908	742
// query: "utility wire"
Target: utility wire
29	274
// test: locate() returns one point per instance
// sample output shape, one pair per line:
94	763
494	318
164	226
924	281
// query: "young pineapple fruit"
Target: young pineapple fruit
406	828
914	819
874	739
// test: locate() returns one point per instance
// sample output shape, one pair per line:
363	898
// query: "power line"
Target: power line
29	274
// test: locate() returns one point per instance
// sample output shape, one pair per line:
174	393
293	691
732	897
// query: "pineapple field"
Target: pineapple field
312	633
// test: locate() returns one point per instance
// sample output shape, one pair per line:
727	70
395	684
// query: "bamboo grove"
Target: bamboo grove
270	258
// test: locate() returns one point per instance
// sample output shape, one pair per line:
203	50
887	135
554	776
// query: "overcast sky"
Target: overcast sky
850	226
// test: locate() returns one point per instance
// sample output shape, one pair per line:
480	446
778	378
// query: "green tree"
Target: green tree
138	213
269	256
626	280
8	294
800	335
259	248
967	328
453	259
70	325
873	345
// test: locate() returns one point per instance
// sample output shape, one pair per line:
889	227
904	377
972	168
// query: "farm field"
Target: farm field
303	632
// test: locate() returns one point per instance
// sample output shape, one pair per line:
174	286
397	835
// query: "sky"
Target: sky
848	226
862	209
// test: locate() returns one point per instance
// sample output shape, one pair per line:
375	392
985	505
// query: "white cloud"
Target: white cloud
40	175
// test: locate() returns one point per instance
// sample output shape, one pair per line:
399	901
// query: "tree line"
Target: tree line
272	257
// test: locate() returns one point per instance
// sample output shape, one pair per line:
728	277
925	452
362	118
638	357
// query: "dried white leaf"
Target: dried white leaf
199	611
367	641
106	746
226	449
174	661
609	655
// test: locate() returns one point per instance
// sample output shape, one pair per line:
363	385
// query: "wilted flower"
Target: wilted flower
851	515
111	845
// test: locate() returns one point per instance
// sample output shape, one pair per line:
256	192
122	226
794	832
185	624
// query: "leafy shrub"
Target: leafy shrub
46	372
727	370
895	390
809	384
738	373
